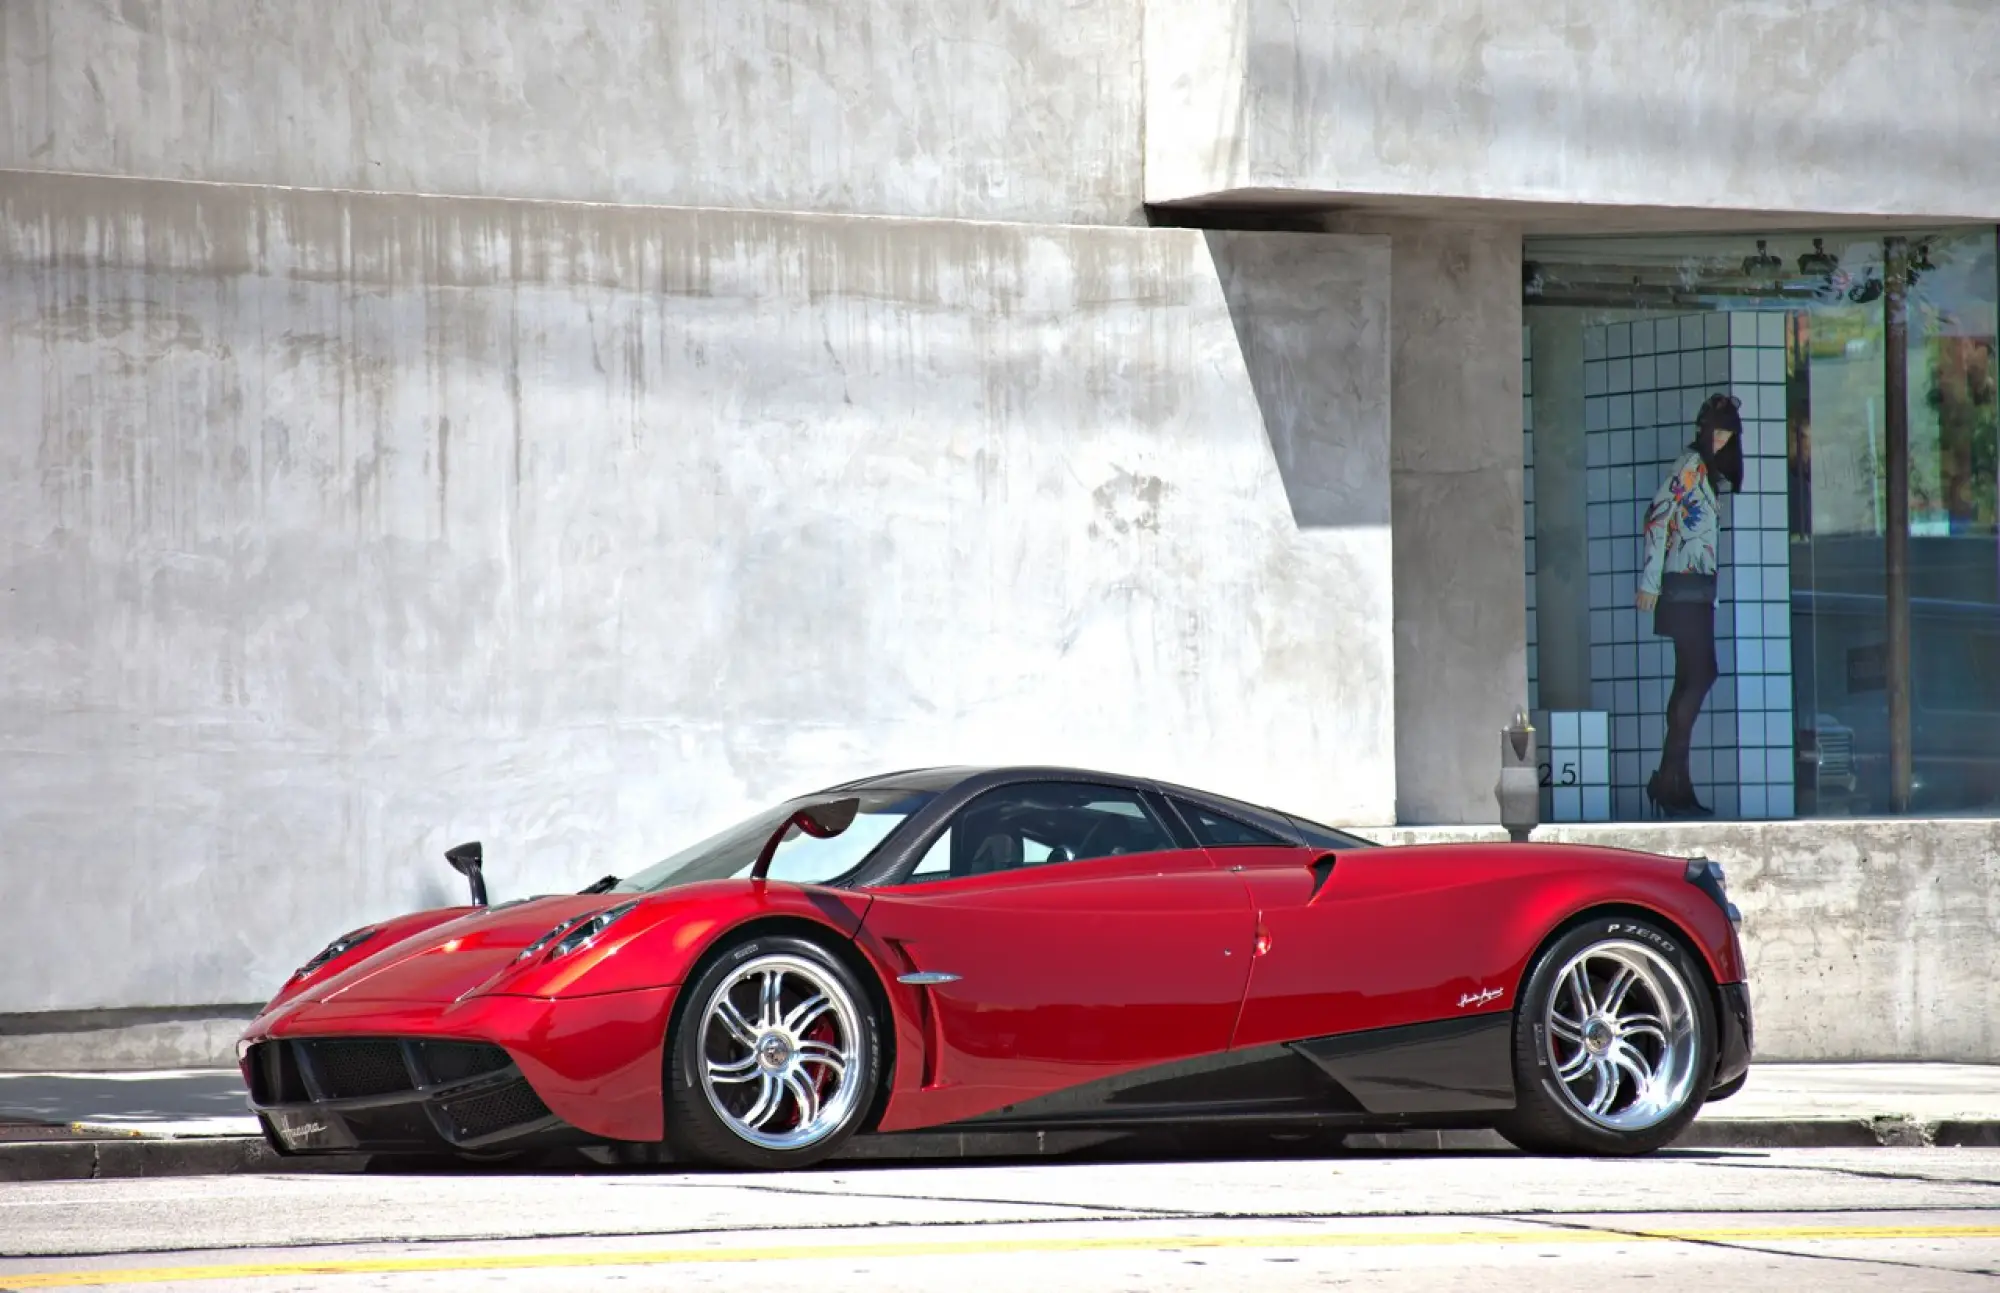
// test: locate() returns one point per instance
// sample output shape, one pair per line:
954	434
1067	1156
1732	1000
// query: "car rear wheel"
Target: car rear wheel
1614	1042
776	1058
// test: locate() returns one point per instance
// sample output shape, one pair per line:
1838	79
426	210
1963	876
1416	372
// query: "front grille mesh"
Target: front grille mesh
481	1115
349	1070
448	1062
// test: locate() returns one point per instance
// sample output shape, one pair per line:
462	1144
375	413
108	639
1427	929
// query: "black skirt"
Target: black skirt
1686	608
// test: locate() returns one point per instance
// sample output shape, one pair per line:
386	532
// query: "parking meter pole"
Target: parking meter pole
1519	791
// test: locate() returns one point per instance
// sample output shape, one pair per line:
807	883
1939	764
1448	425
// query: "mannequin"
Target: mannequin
1677	583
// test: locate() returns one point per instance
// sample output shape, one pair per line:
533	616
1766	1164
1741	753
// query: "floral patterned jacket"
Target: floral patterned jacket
1682	525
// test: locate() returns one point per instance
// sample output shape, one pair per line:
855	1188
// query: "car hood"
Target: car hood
444	962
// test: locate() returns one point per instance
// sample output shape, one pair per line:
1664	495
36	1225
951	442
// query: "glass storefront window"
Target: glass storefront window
1625	340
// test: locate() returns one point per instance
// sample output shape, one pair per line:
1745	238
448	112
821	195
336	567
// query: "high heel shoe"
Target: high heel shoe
1671	794
1684	796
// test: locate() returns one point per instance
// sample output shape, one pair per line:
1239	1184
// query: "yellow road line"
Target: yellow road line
1546	1237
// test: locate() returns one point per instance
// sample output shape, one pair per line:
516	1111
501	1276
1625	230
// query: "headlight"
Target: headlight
576	934
338	948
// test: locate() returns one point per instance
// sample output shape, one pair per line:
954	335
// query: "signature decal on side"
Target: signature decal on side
1481	997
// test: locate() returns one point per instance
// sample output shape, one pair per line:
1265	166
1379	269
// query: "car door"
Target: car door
1381	968
1297	985
1058	936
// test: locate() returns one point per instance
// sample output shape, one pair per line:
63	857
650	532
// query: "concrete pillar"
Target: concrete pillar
1562	555
1456	509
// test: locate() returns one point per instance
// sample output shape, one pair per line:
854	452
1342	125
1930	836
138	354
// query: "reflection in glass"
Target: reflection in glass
1839	525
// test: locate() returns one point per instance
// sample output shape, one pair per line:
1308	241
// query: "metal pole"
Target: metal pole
1896	547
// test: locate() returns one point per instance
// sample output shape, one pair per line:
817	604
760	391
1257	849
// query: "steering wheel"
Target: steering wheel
1085	849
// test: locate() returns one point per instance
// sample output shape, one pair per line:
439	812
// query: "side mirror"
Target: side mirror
467	859
824	821
821	821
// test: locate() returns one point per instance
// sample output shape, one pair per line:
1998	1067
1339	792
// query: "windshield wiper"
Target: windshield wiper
602	886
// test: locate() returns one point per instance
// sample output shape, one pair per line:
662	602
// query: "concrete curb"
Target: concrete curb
126	1158
1884	1132
103	1160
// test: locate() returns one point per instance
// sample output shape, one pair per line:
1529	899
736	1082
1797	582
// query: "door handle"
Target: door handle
927	978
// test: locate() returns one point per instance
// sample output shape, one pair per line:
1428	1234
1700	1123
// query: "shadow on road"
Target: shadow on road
87	1097
893	1153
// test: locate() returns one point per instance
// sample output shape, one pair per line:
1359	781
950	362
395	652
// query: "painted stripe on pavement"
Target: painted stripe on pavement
1546	1237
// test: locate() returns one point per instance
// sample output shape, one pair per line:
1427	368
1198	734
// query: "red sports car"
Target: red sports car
1022	948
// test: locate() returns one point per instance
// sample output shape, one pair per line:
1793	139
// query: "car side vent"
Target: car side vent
274	1074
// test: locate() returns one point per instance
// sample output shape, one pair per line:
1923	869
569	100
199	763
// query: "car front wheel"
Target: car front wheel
775	1061
1614	1045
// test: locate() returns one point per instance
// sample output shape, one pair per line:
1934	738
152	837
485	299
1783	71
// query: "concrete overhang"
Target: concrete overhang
1625	116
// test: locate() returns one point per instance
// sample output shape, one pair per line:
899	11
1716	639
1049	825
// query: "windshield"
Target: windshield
801	858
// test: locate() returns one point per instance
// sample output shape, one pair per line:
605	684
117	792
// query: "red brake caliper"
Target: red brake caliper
821	1032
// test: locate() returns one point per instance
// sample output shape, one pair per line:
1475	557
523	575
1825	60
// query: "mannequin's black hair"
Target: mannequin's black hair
1721	413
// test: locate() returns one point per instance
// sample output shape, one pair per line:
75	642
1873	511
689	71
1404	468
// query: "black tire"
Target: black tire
1548	1117
697	1130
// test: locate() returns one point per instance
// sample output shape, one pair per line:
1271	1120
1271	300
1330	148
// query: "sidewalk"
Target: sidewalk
168	1102
193	1121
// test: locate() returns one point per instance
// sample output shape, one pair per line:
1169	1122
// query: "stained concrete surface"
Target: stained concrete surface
336	529
1919	1219
1708	107
1000	109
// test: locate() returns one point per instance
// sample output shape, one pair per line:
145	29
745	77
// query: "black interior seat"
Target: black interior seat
999	851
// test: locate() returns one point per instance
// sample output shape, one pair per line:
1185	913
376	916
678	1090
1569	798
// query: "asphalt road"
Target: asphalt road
1823	1220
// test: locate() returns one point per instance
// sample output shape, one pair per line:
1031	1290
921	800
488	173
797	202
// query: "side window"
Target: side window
1041	824
1218	832
1325	837
936	862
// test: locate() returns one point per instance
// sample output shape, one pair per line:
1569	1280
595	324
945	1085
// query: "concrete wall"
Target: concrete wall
1841	106
1456	485
335	529
1867	940
994	109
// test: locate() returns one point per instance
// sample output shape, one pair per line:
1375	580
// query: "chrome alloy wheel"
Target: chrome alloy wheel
1621	1027
779	1052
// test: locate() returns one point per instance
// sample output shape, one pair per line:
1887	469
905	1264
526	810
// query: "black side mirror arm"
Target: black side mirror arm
468	860
821	821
